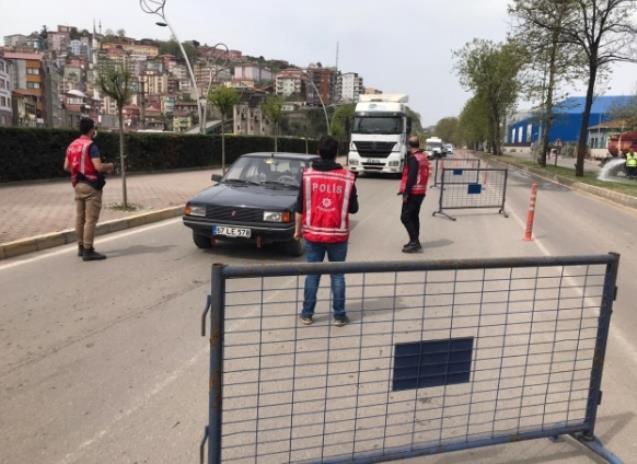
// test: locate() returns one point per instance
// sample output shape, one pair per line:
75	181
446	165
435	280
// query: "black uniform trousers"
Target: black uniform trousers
410	216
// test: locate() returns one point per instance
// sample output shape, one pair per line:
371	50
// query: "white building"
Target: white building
252	72
6	109
349	87
289	82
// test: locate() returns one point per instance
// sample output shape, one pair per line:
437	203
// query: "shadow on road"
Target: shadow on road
139	250
274	252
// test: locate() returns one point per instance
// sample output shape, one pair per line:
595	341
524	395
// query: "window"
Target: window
2	66
3	101
33	85
33	71
2	84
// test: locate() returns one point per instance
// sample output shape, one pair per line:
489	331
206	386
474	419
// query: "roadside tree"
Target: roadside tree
115	83
272	108
224	98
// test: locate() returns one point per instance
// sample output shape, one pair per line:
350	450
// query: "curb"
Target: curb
64	237
616	197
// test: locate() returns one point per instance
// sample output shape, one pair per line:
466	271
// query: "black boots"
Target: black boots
89	254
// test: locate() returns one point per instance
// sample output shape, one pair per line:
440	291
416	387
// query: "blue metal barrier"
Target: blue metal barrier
439	356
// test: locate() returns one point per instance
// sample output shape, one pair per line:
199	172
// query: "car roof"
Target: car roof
282	155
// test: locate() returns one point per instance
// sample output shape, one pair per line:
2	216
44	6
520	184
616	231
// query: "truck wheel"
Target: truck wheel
202	241
294	248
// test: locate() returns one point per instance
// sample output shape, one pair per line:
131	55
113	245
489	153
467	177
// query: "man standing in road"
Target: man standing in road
87	176
413	187
326	198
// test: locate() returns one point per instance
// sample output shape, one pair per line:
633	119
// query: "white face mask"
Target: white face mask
94	134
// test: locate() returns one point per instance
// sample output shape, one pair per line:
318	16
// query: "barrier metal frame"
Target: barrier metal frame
500	205
584	433
439	165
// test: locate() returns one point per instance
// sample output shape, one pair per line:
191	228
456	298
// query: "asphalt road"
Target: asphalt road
103	362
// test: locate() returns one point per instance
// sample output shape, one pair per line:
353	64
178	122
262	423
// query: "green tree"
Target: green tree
447	129
224	98
491	71
552	61
342	122
171	47
272	108
115	82
473	124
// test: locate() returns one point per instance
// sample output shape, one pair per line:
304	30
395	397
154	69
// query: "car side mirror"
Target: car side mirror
216	178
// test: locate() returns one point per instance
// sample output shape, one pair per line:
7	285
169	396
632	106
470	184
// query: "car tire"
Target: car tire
202	241
295	248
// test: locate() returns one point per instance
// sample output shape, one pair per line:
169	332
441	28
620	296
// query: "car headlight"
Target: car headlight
394	163
276	216
352	162
195	210
352	146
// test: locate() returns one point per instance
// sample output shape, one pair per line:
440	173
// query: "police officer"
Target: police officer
87	176
413	187
326	198
631	163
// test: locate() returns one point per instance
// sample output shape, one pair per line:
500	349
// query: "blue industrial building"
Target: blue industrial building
567	119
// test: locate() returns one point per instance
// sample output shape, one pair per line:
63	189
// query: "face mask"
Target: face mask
95	134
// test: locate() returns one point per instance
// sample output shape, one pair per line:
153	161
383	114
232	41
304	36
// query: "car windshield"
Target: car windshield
378	125
266	171
433	146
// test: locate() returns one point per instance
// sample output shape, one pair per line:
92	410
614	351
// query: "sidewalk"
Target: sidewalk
30	209
589	165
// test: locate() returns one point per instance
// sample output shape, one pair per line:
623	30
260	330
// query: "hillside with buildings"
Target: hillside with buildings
49	79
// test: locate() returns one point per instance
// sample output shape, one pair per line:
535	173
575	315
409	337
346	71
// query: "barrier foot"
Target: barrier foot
202	446
503	213
597	447
556	439
442	213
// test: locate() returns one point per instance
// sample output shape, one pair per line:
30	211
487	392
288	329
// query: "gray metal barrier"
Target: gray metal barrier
453	163
472	189
439	356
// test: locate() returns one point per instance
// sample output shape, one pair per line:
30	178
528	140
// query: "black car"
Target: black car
253	202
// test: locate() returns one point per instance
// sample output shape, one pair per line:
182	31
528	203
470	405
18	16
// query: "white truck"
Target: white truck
434	147
379	134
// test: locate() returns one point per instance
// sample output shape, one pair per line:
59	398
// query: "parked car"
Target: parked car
254	202
448	148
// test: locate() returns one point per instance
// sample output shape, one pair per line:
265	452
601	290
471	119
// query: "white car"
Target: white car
449	148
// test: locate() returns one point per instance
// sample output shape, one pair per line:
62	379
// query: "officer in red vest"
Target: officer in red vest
87	176
326	198
413	187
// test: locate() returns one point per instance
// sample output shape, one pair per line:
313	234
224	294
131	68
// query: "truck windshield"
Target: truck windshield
378	125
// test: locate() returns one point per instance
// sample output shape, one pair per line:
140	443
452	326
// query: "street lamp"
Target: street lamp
157	7
212	78
327	119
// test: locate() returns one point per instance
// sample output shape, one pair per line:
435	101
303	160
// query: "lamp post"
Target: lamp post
157	7
327	119
211	79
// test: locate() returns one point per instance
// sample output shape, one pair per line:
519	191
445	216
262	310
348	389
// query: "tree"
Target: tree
272	108
627	112
342	121
604	31
121	32
115	83
446	129
473	124
491	71
224	98
540	25
171	47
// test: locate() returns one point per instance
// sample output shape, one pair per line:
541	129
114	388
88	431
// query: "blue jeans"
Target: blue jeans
315	253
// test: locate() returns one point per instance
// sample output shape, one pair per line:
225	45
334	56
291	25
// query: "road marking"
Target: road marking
73	456
100	240
616	331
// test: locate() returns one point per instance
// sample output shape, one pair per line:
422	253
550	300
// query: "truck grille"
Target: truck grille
374	149
228	213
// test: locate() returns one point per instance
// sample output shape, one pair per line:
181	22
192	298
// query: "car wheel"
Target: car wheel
202	241
295	248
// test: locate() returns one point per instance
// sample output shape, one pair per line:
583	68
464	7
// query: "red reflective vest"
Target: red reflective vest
326	210
420	187
80	162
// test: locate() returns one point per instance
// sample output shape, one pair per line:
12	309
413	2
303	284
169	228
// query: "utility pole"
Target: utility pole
142	102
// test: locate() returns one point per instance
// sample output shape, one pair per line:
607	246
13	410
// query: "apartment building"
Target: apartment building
6	107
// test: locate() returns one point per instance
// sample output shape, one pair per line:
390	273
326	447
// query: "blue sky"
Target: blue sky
402	46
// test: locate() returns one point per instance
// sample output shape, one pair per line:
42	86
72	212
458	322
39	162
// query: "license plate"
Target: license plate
373	161
228	231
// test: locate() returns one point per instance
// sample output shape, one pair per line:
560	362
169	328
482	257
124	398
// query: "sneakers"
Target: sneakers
412	248
305	319
80	250
91	255
340	321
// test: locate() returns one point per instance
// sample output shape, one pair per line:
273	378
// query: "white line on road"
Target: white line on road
99	240
616	332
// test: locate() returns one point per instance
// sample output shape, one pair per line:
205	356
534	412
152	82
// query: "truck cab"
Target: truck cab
435	148
379	134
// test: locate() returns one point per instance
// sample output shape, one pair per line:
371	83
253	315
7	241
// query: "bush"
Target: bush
28	154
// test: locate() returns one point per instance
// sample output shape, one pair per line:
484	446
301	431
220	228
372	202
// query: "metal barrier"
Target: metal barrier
454	163
439	356
472	189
